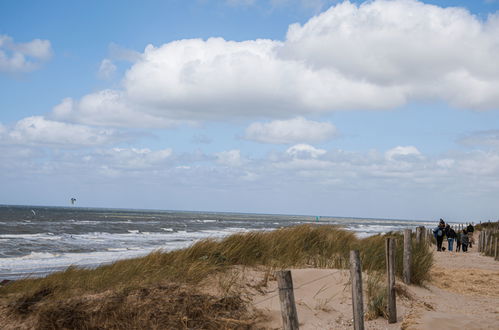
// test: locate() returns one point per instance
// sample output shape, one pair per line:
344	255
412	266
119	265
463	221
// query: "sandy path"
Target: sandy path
464	293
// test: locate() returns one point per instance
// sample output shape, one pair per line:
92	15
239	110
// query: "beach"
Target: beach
230	283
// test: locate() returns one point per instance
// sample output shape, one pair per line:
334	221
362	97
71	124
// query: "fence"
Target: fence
286	291
487	245
488	240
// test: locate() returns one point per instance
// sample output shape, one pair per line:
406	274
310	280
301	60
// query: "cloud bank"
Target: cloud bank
38	131
377	55
293	130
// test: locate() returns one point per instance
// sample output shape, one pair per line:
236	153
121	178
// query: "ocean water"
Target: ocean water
36	240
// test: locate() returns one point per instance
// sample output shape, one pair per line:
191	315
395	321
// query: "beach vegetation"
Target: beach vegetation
320	246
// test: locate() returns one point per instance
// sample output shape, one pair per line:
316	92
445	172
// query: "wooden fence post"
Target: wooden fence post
480	241
407	256
480	245
487	239
488	243
419	234
495	250
390	275
287	298
491	244
357	300
482	248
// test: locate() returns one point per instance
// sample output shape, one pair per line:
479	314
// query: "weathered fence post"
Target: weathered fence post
487	239
480	241
407	256
491	244
287	298
484	238
419	234
495	249
487	243
390	275
482	248
357	300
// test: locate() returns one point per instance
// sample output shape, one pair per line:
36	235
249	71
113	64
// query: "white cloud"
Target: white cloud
304	151
106	69
37	130
23	57
132	158
430	51
107	108
230	158
402	152
378	55
293	130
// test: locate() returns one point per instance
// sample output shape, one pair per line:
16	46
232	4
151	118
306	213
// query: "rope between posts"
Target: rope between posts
298	287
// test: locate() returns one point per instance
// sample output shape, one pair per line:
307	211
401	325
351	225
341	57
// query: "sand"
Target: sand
463	294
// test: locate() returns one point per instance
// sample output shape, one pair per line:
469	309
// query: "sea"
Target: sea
38	240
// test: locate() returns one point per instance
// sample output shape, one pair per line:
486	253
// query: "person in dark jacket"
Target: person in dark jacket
464	240
470	229
458	241
438	232
451	236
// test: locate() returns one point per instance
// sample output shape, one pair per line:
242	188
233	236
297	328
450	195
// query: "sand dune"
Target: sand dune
463	294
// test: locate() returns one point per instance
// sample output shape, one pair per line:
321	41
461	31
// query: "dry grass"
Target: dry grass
476	282
159	307
488	226
376	296
53	298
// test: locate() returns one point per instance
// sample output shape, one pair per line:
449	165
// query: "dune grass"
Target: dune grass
490	225
160	290
300	246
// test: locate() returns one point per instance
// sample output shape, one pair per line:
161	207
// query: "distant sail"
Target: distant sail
73	200
33	211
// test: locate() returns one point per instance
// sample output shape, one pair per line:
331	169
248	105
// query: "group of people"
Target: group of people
463	238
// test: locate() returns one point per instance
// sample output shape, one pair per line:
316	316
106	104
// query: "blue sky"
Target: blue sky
370	109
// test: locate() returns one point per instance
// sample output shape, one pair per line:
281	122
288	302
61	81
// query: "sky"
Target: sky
378	109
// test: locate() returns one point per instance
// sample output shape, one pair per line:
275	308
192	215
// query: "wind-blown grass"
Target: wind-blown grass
300	246
320	246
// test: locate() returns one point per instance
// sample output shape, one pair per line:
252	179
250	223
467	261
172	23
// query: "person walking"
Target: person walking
451	235
458	241
438	232
464	240
470	229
